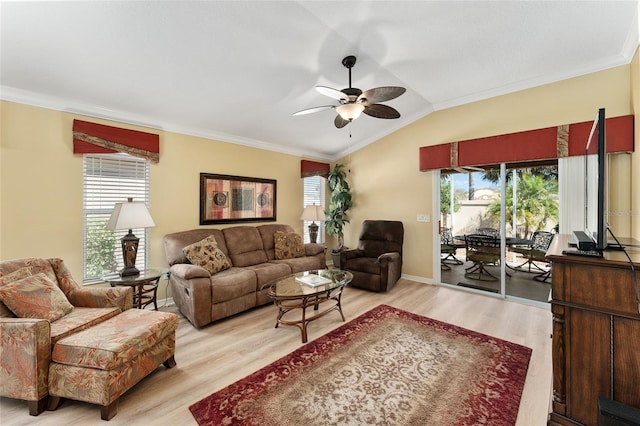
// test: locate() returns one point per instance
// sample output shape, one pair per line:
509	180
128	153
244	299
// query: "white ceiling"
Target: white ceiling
236	70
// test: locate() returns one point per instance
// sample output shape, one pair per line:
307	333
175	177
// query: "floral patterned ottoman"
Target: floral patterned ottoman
101	363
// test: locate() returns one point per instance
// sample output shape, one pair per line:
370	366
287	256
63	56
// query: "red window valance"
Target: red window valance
313	168
531	145
93	138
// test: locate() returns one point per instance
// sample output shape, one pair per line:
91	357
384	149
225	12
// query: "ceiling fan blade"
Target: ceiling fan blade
381	111
381	94
314	109
332	93
340	122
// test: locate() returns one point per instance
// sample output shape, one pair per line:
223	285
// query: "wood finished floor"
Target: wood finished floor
221	353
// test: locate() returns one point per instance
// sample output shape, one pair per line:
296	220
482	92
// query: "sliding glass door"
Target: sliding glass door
532	216
471	243
495	226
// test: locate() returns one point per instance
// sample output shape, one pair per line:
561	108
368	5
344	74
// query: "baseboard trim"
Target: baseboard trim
418	279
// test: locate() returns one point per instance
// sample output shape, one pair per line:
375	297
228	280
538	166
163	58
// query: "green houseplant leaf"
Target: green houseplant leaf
339	203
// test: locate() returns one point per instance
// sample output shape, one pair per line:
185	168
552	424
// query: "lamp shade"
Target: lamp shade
130	215
313	213
350	111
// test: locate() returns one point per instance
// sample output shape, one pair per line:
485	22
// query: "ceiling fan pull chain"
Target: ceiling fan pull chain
350	124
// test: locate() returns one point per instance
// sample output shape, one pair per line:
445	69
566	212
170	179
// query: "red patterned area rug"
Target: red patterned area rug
386	367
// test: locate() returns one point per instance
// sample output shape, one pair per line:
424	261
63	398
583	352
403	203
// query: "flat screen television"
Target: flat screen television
596	190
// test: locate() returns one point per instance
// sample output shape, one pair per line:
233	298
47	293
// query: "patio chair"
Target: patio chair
536	253
492	232
448	248
482	250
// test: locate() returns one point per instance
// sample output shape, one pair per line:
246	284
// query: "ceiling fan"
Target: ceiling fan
353	101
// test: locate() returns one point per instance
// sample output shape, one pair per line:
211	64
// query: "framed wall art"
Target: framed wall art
231	199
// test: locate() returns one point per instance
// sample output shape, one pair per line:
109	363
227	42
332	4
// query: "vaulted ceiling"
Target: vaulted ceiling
235	71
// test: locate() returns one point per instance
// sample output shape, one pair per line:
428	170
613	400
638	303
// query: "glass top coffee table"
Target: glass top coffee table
299	291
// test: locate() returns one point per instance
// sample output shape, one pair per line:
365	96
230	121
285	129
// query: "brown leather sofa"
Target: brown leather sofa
376	264
203	297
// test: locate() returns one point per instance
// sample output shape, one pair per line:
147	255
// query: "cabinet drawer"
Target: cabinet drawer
610	289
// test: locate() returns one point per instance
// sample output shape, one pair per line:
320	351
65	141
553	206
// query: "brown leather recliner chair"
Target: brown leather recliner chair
376	264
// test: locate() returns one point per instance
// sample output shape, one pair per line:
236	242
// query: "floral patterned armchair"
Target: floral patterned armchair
31	287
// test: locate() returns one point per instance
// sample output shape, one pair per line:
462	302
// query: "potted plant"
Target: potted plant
339	204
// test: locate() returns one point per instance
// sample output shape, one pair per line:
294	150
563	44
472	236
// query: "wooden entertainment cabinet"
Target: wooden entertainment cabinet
596	333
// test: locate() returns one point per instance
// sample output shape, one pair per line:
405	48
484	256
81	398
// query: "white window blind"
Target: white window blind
314	194
110	179
571	191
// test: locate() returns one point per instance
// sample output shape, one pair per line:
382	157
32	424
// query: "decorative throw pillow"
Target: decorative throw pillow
16	275
205	253
288	245
35	297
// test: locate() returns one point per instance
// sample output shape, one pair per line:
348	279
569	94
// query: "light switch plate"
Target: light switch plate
423	217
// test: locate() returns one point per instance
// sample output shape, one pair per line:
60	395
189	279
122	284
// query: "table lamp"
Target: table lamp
313	213
130	215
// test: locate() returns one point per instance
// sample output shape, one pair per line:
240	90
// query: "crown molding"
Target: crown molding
20	96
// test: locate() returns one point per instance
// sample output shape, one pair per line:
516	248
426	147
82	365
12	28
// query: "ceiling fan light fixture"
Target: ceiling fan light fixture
350	111
352	101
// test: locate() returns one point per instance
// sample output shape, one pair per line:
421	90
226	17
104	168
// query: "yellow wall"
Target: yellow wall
41	179
41	184
385	176
175	182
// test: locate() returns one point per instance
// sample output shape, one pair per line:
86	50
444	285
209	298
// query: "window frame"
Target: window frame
313	192
108	179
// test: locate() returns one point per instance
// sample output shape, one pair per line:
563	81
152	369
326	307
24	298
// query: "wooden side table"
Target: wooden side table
145	286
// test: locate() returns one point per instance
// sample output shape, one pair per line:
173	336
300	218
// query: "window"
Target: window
110	179
314	194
